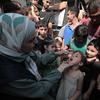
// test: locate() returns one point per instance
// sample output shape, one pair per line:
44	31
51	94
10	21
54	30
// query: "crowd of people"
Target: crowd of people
49	51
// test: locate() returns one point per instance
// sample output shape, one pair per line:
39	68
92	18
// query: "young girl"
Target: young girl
72	79
91	79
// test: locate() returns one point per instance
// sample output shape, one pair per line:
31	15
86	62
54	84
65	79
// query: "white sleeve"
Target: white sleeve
61	32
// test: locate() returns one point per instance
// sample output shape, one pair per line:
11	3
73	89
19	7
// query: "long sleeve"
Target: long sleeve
32	88
44	59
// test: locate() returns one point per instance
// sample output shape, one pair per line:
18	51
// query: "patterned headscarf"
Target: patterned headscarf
15	29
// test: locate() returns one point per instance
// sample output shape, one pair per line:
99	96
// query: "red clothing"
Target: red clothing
85	20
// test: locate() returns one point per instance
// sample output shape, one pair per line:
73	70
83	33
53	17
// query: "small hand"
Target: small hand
63	66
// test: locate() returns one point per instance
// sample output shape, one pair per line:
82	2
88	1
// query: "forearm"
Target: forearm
46	58
59	6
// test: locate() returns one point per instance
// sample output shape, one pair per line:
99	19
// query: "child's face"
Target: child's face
91	51
42	31
57	47
51	47
74	58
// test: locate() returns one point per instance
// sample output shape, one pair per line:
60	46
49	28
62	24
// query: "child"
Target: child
80	39
72	79
49	44
91	79
42	30
58	44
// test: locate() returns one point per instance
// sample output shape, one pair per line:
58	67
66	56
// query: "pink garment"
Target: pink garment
85	20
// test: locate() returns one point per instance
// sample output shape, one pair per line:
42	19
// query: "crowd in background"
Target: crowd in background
50	49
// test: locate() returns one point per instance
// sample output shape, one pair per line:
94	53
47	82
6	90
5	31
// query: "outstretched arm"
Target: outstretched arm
59	6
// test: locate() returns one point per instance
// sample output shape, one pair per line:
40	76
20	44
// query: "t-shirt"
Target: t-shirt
47	16
76	46
66	33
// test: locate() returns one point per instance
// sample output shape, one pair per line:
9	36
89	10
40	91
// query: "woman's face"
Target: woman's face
91	51
29	45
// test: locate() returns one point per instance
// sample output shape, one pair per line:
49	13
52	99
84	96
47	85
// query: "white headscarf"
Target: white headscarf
14	30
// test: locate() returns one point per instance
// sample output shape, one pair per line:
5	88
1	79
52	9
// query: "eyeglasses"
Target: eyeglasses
95	17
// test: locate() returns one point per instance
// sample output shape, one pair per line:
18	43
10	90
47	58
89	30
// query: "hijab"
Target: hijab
16	29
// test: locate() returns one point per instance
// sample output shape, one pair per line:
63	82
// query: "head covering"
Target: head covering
16	29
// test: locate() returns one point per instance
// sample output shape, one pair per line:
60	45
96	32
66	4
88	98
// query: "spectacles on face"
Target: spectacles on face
95	17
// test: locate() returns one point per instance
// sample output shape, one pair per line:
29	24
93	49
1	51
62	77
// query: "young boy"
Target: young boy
42	33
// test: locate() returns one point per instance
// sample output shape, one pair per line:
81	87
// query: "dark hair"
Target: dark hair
71	3
10	6
41	23
93	6
75	10
24	10
48	40
81	30
95	43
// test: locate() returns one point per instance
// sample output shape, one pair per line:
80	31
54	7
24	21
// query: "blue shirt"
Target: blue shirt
68	33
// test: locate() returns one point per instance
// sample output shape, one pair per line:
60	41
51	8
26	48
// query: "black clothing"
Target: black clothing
11	70
92	70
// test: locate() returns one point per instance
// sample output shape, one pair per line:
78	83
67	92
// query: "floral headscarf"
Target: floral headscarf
14	30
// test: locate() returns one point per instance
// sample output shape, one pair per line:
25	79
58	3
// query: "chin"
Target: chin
88	56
